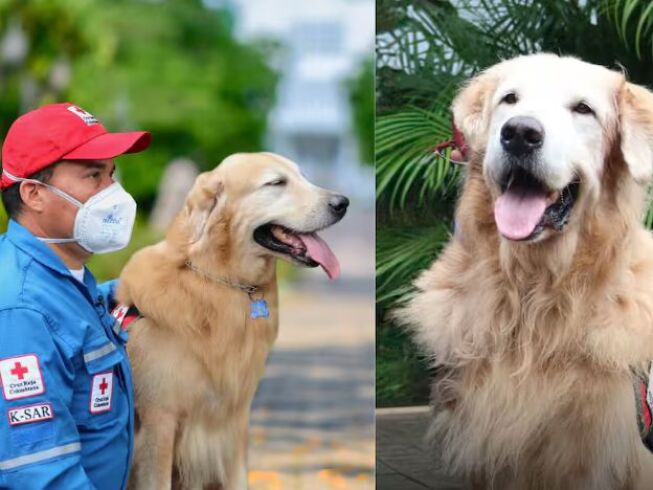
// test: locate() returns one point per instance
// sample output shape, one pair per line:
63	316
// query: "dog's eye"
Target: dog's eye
582	108
277	182
509	98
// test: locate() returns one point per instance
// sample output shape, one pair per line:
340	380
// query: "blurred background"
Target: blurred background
424	50
210	78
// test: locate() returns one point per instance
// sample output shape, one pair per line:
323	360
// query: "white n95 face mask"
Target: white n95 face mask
103	223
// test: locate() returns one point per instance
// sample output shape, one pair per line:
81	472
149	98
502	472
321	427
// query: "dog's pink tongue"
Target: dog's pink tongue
320	252
517	213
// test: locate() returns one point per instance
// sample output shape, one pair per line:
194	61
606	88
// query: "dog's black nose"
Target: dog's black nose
338	204
521	135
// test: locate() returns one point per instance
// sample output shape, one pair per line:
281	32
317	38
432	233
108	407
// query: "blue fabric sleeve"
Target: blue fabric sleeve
43	454
108	290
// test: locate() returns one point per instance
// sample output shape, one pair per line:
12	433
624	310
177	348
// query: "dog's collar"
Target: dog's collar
249	289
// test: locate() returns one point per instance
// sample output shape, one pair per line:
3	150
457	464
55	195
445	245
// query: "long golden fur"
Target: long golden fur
536	344
197	356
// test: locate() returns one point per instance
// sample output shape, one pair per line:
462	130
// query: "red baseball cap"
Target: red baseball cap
61	132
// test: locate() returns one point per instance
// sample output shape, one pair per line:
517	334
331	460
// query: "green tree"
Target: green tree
361	90
425	49
175	69
172	67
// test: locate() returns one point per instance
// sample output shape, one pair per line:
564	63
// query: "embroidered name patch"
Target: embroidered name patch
30	413
21	377
101	389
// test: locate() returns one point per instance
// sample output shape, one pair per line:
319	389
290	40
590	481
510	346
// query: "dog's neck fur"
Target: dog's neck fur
226	259
241	269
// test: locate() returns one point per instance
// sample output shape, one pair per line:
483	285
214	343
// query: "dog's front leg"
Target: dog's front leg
236	467
241	477
154	451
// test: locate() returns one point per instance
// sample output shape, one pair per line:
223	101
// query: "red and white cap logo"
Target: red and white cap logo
87	117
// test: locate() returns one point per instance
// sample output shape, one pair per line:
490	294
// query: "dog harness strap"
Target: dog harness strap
124	315
644	404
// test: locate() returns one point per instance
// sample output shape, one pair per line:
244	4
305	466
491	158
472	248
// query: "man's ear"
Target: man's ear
471	107
636	130
205	196
30	195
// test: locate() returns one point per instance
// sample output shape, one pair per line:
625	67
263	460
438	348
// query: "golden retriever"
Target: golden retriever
539	312
200	350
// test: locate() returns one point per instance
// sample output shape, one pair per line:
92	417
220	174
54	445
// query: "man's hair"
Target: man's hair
11	199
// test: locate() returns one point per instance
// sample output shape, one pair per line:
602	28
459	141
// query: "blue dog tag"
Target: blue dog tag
258	308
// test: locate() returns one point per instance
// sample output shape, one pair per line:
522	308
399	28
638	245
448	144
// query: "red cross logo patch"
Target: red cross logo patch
125	314
101	390
21	377
119	313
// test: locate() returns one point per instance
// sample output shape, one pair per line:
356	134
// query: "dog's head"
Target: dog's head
260	205
543	128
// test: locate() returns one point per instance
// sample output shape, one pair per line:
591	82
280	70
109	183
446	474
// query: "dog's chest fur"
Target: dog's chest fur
534	378
229	357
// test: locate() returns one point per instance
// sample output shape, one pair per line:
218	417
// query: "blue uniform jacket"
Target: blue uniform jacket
66	407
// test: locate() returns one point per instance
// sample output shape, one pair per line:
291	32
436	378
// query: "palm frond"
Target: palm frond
406	164
633	21
401	254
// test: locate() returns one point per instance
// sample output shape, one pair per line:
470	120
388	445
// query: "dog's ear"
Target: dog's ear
204	197
471	107
636	130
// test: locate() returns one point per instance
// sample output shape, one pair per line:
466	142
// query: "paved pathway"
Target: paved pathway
313	416
404	460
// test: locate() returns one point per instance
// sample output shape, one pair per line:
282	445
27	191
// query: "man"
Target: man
66	414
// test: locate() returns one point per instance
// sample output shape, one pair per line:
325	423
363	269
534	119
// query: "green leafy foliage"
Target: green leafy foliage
361	95
400	369
3	219
176	70
400	252
172	67
634	22
406	161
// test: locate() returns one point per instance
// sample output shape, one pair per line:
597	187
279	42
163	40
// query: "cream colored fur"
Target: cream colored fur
197	356
535	344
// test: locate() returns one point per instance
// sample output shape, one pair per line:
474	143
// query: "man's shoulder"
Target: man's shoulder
14	265
23	280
